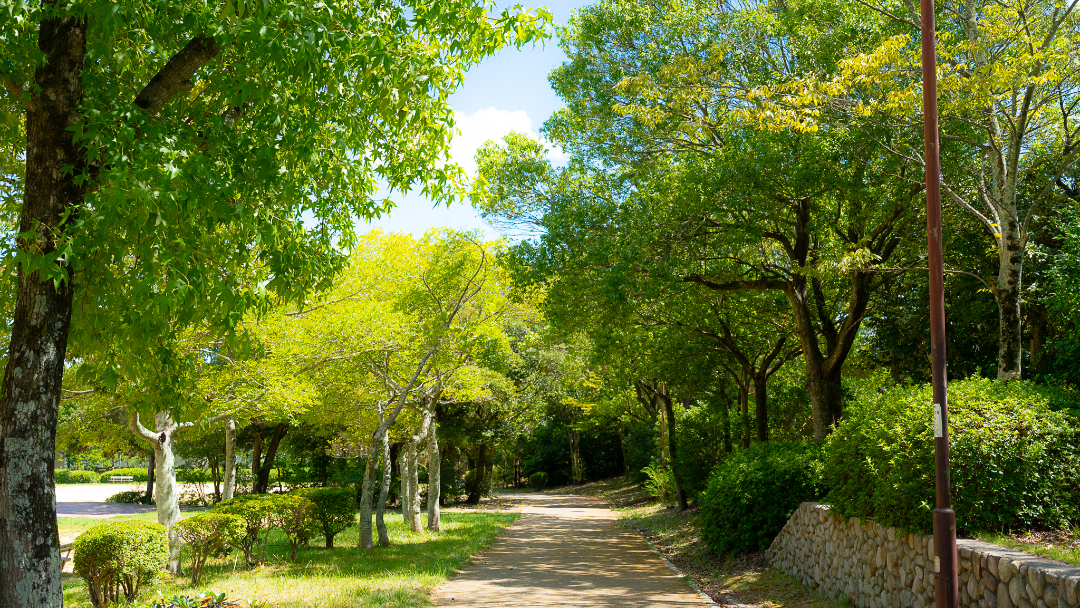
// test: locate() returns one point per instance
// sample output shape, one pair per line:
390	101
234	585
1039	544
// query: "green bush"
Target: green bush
538	480
128	497
700	447
69	476
120	556
660	483
207	534
256	510
138	475
335	510
752	494
1014	462
295	516
193	476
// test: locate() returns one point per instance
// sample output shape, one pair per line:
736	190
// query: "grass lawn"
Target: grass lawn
1064	545
744	579
402	575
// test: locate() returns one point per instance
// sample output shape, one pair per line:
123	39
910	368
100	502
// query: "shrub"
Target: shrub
207	534
128	497
752	494
116	556
295	516
660	483
68	476
137	475
538	480
1014	462
335	510
700	447
192	476
256	511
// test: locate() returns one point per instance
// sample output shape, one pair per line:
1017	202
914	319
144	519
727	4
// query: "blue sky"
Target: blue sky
506	92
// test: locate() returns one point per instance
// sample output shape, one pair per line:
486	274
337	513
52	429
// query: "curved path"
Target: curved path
567	551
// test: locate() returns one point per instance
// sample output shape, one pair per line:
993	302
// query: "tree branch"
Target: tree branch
177	73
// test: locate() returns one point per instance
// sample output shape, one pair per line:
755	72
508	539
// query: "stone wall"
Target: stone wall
879	567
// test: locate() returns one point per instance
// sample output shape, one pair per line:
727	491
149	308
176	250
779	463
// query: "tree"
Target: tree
261	113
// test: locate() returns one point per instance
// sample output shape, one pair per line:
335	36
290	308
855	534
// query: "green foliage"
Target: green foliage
137	475
68	476
752	494
206	534
120	556
700	447
538	480
335	509
193	476
1014	462
128	497
208	599
660	482
256	510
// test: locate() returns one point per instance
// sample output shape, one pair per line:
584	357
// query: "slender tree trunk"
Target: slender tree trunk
477	489
403	481
434	483
215	473
30	398
384	490
367	497
415	523
262	471
230	459
622	450
744	411
168	506
680	490
1007	295
148	498
761	405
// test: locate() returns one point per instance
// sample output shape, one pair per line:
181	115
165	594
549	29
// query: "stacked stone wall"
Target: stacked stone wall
875	566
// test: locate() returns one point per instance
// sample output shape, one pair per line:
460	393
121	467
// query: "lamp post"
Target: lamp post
946	589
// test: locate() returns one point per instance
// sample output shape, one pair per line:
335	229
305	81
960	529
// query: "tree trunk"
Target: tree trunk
415	523
30	398
477	489
261	471
230	459
1007	295
761	405
577	468
384	490
168	506
434	480
622	450
403	481
744	412
680	490
148	498
826	400
365	543
215	473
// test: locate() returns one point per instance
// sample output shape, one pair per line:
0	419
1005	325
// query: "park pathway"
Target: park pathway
567	551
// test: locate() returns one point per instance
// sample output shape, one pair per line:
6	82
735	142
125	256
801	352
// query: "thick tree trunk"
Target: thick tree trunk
577	466
434	481
384	490
826	400
477	489
148	497
230	459
29	402
680	488
1007	295
168	506
365	543
261	471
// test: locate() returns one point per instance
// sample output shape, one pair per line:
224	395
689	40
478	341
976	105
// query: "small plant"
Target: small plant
207	534
295	516
538	480
208	599
120	556
255	510
660	482
128	497
335	510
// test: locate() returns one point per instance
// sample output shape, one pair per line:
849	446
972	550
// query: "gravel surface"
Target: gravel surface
567	551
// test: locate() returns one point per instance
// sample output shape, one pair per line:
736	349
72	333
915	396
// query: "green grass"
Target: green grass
745	579
402	575
1063	545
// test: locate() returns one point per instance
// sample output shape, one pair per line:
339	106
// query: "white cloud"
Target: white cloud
492	123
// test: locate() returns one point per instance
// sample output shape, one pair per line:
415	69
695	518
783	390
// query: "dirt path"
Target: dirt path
567	551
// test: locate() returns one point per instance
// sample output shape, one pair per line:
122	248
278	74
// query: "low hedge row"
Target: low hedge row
69	476
120	557
1014	464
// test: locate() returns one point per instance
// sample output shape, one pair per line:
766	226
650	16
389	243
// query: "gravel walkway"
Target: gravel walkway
567	551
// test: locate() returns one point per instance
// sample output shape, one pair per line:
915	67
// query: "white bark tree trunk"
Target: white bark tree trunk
403	473
434	476
230	459
384	491
414	488
168	505
365	542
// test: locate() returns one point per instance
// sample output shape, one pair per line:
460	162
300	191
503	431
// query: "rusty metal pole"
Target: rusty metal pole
946	588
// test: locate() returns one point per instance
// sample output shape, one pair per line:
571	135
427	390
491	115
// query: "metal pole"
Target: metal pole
946	588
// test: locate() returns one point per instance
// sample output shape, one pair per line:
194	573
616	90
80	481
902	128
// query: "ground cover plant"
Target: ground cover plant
401	575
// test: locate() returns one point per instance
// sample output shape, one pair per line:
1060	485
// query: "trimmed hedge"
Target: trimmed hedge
335	510
1014	461
751	495
538	480
69	476
138	475
256	511
128	497
207	534
120	556
295	516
